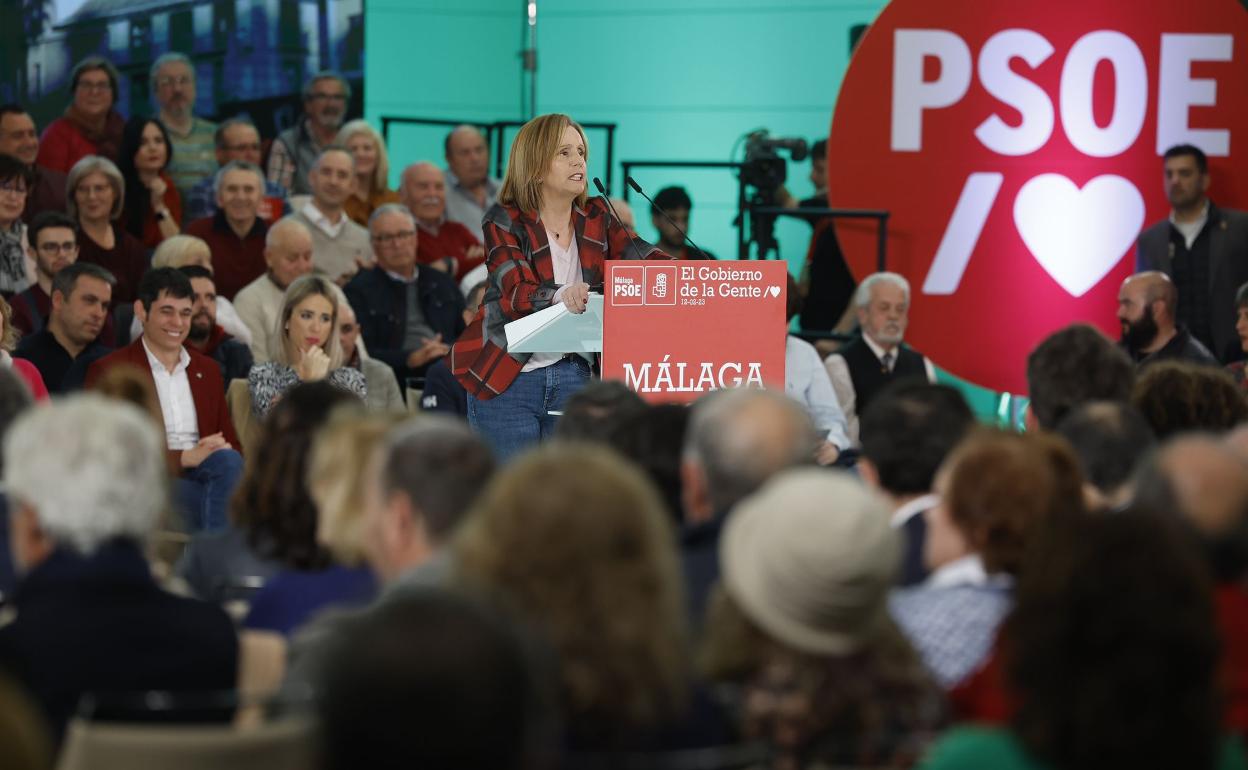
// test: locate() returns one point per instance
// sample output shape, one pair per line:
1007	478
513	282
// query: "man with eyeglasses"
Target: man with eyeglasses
235	139
20	139
173	89
53	246
408	316
325	98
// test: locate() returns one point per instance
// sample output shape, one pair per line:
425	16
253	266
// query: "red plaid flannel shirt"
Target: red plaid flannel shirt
522	281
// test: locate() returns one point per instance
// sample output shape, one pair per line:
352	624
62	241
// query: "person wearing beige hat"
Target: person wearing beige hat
800	622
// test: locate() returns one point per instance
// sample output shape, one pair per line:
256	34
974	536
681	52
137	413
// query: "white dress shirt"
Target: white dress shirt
177	405
315	216
806	381
843	384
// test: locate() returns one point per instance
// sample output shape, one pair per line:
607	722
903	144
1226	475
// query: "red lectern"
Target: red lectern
673	331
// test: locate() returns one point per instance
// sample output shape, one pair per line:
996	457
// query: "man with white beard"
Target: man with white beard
863	367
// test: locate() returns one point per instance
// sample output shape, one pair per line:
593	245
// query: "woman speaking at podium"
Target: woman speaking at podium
545	242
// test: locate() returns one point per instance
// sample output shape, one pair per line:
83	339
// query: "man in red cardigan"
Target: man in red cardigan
200	435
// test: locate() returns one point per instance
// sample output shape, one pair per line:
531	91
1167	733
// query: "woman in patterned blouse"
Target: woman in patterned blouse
309	350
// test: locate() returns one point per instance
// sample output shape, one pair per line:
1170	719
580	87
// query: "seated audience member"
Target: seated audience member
587	586
236	232
408	316
91	124
287	255
799	623
1237	369
1073	366
1178	396
172	78
90	618
19	139
1110	439
274	508
53	244
653	440
437	661
907	433
401	491
678	205
806	381
96	193
737	439
275	526
1205	483
309	349
69	342
236	139
443	244
15	399
201	442
16	270
1146	309
382	388
995	490
188	251
420	485
470	190
864	366
595	411
1085	628
206	336
295	150
442	392
372	171
25	370
152	210
340	247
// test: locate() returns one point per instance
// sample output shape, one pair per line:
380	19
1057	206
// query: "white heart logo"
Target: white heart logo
1076	235
774	290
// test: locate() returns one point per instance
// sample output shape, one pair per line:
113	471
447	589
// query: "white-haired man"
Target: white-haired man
87	484
866	365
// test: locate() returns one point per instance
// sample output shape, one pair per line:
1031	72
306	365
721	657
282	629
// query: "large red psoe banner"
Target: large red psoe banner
674	331
1018	146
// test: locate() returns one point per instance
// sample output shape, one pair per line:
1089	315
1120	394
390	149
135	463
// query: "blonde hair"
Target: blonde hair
92	164
595	569
531	153
381	172
180	251
299	290
337	478
10	337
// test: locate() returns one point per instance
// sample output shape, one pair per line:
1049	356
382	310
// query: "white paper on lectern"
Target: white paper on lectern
570	333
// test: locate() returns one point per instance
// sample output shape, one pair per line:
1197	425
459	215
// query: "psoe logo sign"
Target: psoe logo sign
1018	146
626	286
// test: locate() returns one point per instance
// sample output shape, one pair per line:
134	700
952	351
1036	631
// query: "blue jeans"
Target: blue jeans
204	492
521	416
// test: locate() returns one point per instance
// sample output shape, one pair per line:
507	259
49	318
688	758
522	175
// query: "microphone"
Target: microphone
637	189
603	191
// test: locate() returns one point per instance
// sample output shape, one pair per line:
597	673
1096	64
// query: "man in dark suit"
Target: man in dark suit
85	482
1204	250
906	433
408	315
198	430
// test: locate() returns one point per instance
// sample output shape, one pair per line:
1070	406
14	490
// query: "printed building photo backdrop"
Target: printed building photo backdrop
251	56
